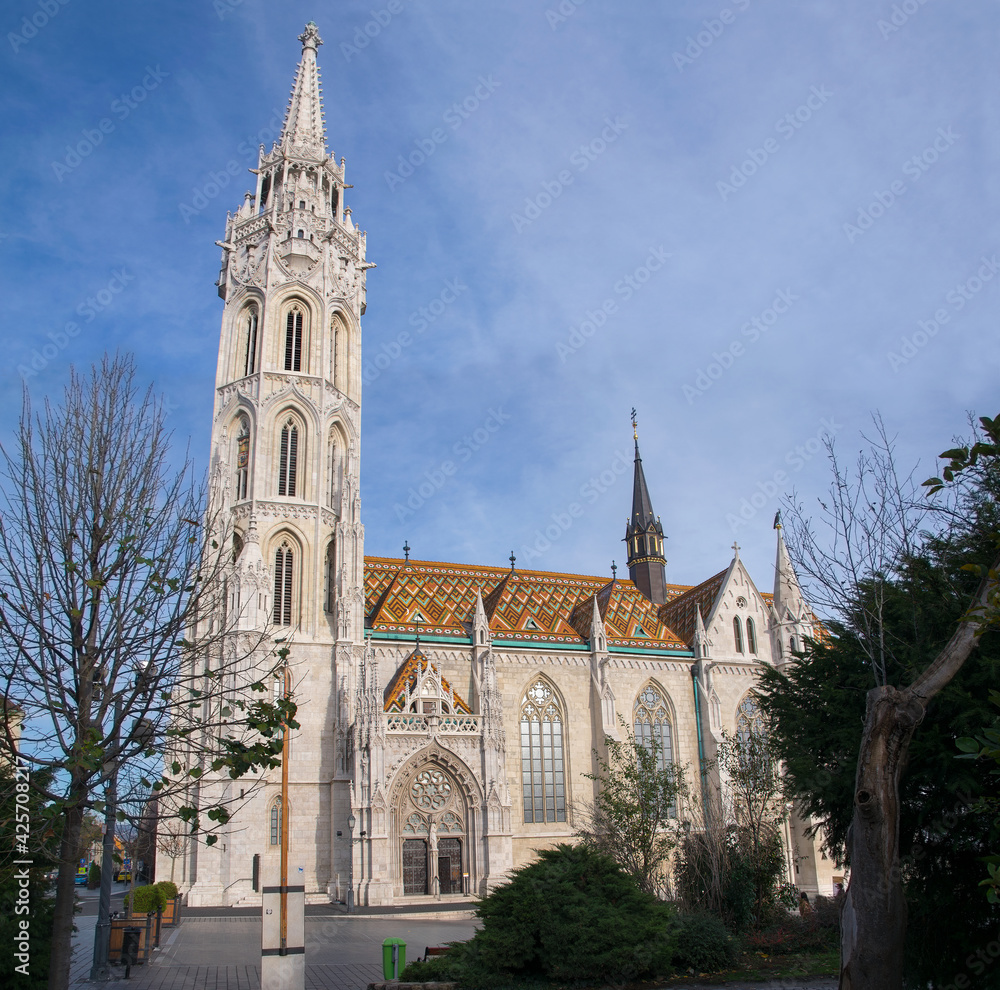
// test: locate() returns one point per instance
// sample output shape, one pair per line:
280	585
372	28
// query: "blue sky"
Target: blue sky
756	222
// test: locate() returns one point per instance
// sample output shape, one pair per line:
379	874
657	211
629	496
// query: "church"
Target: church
448	712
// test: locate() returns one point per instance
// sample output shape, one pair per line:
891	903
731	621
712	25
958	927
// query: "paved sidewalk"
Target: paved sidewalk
223	953
342	953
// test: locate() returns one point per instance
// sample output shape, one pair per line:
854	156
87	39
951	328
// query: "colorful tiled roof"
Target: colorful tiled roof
680	612
438	599
406	679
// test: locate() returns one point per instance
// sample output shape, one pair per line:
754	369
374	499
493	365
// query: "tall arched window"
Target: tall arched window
333	472
751	637
749	720
293	340
276	817
288	459
738	634
284	571
250	341
651	724
242	459
542	772
331	574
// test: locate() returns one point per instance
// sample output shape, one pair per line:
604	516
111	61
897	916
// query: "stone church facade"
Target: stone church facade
448	712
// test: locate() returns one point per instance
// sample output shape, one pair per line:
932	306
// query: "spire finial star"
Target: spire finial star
635	426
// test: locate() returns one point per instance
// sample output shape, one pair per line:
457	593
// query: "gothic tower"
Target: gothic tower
286	450
647	567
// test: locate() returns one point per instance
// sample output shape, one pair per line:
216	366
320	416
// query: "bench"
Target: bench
434	950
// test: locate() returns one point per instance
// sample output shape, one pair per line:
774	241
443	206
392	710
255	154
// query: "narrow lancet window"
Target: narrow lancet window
250	338
288	459
293	340
284	569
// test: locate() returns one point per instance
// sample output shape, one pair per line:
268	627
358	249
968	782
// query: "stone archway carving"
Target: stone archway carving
435	810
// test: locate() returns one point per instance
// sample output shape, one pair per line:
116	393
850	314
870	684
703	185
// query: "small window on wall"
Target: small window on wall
276	822
738	634
751	637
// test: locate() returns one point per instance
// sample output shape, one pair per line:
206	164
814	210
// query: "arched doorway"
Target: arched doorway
432	849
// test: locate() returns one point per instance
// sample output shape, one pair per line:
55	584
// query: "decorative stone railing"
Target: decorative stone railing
406	722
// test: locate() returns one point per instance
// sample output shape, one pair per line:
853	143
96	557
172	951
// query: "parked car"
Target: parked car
82	872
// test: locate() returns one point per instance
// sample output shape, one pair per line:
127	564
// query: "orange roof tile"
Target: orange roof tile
681	612
406	678
438	599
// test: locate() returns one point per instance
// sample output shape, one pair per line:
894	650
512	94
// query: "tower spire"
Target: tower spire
644	535
304	132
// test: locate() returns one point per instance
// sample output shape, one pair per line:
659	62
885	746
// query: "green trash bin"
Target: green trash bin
393	958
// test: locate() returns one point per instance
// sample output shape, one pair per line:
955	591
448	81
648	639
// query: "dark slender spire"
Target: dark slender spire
644	536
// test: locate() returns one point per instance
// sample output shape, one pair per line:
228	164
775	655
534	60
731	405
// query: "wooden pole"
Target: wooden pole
284	819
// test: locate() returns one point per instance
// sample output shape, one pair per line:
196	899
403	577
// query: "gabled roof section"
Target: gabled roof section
680	613
304	133
559	605
406	680
582	616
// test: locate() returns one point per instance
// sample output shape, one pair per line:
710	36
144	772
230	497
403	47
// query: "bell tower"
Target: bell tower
286	433
284	477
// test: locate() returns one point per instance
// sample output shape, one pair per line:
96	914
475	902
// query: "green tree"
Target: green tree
634	816
573	914
29	832
891	800
732	862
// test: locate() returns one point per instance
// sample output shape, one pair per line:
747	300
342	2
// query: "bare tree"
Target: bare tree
634	816
869	529
734	838
106	561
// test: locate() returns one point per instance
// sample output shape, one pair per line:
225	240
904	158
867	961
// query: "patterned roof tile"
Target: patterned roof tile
531	606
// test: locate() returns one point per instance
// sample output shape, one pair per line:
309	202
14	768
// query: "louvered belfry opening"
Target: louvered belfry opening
293	340
284	562
288	459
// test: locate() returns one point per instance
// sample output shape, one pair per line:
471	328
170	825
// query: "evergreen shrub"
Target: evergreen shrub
703	944
94	876
573	914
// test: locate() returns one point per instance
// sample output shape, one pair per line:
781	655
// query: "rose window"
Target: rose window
430	790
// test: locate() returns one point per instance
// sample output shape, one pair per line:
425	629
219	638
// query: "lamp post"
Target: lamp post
351	822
